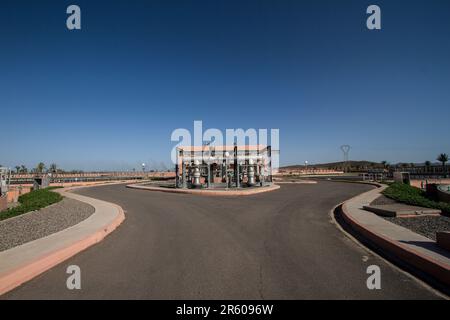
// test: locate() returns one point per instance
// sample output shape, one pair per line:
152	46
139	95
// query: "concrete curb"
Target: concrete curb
420	261
24	262
389	211
225	193
296	182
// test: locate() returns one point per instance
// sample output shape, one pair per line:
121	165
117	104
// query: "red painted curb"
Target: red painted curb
26	272
207	192
426	264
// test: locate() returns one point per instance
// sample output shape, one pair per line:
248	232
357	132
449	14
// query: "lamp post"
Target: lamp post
306	166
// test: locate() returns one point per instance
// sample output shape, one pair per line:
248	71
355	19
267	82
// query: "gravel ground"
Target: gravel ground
426	225
34	225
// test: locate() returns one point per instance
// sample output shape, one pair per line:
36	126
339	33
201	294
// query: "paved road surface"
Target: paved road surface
278	245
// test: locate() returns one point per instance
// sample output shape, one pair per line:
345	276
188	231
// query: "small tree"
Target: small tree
40	167
23	169
386	165
443	158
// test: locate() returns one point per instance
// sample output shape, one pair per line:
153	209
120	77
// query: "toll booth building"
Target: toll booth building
222	167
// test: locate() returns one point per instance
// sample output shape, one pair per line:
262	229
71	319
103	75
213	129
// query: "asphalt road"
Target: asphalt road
278	245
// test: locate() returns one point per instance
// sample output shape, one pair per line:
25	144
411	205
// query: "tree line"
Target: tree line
42	168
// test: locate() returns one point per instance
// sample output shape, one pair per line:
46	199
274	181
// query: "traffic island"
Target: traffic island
206	192
40	223
413	251
302	181
24	262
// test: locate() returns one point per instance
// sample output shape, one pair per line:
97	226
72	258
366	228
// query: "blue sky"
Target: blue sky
108	96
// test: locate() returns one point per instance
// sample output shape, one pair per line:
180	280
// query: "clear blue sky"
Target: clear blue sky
109	96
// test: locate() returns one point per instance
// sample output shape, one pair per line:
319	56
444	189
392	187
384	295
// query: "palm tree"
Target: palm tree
386	165
23	169
40	167
53	168
17	169
443	157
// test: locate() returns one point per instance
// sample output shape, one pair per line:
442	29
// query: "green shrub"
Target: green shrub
413	196
31	201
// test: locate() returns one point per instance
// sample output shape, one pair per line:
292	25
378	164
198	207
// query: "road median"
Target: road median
405	246
207	192
26	261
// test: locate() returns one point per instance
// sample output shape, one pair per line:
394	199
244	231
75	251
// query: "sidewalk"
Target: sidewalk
412	248
24	262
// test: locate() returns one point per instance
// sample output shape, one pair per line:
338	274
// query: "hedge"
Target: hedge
32	201
414	196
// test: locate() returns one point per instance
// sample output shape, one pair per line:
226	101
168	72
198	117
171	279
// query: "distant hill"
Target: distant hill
356	165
